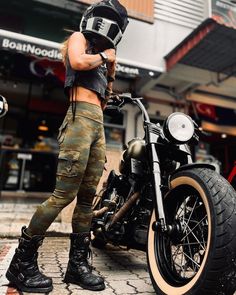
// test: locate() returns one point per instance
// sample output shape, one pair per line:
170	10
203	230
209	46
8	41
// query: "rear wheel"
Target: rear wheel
198	256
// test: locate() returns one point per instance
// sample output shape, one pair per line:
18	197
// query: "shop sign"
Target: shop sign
22	156
127	71
29	48
224	12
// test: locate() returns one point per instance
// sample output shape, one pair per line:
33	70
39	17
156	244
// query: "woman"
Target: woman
90	57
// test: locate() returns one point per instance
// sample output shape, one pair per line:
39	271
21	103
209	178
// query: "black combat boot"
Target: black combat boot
23	271
78	270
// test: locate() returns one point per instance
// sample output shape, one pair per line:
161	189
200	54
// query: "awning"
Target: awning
211	46
43	49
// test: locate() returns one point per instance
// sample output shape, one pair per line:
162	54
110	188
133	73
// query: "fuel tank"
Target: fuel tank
136	149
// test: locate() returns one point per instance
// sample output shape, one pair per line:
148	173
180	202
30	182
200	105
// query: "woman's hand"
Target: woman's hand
82	61
111	54
111	63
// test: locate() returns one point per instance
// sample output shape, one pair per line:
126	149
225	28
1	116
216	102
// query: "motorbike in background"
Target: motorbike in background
183	214
3	106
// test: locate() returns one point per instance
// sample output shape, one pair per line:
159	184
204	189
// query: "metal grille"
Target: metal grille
189	13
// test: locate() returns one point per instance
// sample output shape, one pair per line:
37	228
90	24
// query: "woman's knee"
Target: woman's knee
62	197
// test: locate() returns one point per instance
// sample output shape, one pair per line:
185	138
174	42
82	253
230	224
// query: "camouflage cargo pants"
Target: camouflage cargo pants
80	165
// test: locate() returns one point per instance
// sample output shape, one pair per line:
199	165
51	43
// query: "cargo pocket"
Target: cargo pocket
62	132
68	163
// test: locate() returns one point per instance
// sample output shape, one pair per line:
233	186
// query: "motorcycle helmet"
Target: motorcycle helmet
107	19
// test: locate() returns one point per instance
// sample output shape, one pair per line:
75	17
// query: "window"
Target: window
114	128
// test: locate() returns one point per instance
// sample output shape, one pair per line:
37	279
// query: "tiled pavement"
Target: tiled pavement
125	272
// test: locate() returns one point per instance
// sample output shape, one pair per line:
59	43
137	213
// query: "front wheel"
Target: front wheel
198	257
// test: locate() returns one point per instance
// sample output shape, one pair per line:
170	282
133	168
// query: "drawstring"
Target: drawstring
73	103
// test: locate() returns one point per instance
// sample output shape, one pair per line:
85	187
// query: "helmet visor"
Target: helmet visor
104	27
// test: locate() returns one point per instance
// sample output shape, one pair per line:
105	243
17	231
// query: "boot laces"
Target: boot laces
90	256
85	258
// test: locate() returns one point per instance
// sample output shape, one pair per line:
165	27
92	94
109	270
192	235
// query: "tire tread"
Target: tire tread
219	275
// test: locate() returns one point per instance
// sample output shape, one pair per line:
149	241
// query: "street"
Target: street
125	272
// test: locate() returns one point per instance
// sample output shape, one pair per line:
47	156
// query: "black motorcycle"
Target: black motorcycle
183	214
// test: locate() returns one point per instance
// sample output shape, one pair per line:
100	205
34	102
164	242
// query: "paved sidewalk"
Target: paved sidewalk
125	272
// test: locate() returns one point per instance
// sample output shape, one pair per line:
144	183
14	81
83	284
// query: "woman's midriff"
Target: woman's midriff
83	94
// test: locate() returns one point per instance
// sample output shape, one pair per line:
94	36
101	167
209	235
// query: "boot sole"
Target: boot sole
12	279
70	279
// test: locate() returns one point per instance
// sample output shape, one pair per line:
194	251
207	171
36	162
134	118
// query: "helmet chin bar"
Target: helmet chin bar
105	28
3	106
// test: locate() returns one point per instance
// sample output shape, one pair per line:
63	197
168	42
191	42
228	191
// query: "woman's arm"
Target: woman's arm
111	71
79	59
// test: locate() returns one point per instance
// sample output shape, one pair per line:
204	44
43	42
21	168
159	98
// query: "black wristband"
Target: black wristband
103	56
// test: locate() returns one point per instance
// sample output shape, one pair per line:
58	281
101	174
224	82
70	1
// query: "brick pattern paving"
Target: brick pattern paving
6	252
125	272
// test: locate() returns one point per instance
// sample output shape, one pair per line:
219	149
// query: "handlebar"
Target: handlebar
117	101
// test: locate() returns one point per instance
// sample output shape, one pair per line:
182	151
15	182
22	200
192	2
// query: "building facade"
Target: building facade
164	56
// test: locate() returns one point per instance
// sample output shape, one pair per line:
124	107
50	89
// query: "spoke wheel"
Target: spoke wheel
197	255
185	247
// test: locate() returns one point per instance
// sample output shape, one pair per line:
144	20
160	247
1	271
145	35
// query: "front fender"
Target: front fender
194	165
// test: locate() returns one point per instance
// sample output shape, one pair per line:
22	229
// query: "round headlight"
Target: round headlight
179	128
3	106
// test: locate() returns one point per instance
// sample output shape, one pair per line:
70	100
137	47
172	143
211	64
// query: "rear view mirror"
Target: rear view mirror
3	106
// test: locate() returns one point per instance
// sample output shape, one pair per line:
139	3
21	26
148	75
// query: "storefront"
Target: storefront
31	78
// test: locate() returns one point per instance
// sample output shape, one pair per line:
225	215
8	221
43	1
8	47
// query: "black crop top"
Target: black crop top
94	79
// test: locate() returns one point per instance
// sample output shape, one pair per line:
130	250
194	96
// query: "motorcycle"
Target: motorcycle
3	106
183	214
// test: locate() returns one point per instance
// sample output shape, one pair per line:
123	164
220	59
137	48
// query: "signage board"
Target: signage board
30	48
224	12
22	156
48	58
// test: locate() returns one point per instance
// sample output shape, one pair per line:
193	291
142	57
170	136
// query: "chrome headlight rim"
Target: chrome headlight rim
3	106
178	131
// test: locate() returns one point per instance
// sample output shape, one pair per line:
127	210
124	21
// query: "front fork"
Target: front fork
153	132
